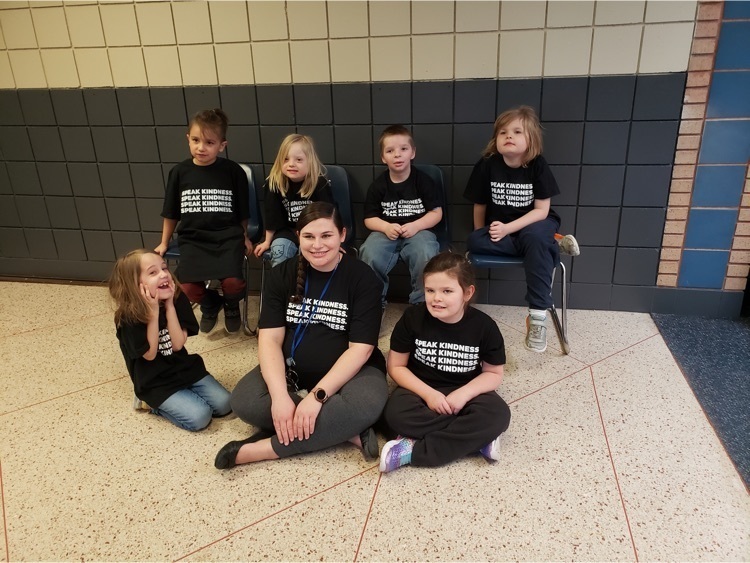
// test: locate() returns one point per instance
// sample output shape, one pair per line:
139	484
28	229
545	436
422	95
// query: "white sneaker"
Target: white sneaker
536	334
569	245
492	450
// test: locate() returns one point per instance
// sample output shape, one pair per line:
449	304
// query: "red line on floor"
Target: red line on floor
5	520
367	519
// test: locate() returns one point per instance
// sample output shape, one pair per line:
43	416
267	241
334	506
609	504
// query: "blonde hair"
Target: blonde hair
277	182
531	127
125	288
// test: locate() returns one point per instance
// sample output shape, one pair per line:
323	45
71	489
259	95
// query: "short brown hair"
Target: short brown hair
212	119
454	265
531	126
393	130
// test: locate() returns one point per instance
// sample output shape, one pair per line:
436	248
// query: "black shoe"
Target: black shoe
369	444
210	307
232	320
227	456
208	321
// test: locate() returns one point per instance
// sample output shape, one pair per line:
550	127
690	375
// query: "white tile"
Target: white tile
432	17
567	52
350	60
271	62
50	27
516	62
476	55
390	58
616	49
60	68
18	29
477	16
307	20
198	64
234	63
162	66
390	18
670	11
93	68
128	67
155	23
347	19
28	71
6	73
3	46
619	11
523	15
267	20
570	14
120	27
11	4
191	22
310	62
229	22
432	57
684	498
666	47
84	26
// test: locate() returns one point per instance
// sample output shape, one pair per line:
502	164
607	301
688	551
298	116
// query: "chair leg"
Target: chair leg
562	327
245	320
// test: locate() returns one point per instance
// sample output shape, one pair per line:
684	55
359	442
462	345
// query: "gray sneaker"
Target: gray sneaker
536	335
569	245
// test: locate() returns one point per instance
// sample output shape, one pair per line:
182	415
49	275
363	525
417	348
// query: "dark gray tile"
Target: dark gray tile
730	304
275	104
98	246
122	214
610	98
244	143
632	298
24	178
115	179
173	145
503	292
508	273
147	180
41	244
647	186
595	264
564	99
270	140
199	98
469	141
135	106
125	242
659	96
351	104
462	222
432	102
353	144
313	104
592	296
455	188
109	144
605	142
84	179
13	244
702	302
168	107
8	212
166	167
15	144
149	214
601	185
77	144
391	103
10	108
433	143
360	178
92	213
523	92
567	215
69	245
474	101
101	106
69	107
53	177
642	227
5	187
140	144
32	211
665	300
37	107
636	266
62	212
652	142
46	144
597	226
567	179
563	143
240	104
322	136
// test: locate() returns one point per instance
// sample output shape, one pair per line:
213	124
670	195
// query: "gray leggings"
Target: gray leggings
356	407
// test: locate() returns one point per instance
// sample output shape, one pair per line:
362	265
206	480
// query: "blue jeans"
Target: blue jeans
382	253
192	408
281	250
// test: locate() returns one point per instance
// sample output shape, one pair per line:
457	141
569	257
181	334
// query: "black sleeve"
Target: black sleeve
323	191
185	314
403	335
428	191
477	189
545	185
275	215
276	295
133	340
241	196
171	208
492	348
374	198
365	298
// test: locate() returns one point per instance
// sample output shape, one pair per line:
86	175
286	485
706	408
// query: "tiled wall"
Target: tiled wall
95	98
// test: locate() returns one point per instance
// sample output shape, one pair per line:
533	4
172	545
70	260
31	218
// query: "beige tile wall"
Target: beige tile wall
171	43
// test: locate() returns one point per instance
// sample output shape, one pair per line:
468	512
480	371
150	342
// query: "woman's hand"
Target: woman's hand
437	402
283	413
457	400
260	248
151	300
305	416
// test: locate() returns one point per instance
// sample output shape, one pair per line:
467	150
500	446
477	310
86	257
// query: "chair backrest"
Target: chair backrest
442	229
341	194
255	220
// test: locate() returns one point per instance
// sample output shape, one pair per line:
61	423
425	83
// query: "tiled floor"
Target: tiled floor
608	457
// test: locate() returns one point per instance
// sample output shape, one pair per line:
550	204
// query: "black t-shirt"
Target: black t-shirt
447	355
170	371
210	203
282	212
349	312
509	193
404	202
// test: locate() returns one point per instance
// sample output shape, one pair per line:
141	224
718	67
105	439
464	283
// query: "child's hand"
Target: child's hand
393	231
161	249
438	403
456	400
151	300
498	231
260	248
169	301
248	246
409	230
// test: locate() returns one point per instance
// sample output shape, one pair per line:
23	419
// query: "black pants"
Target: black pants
442	438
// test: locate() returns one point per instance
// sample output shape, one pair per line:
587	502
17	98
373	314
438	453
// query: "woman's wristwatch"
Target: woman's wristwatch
320	395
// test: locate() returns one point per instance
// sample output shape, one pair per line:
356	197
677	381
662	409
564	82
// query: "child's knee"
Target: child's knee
198	419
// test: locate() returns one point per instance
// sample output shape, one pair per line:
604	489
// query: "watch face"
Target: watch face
321	395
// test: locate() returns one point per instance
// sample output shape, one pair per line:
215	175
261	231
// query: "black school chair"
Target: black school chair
561	325
442	229
254	232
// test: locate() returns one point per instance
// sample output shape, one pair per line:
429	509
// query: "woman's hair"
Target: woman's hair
212	119
277	182
316	210
125	288
531	126
452	264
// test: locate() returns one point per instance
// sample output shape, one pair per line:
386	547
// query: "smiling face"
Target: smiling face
296	163
205	145
512	142
155	276
320	242
445	298
398	153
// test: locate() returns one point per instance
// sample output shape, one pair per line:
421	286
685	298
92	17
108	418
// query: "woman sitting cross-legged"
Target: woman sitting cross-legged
318	332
